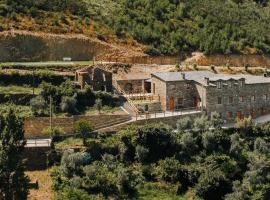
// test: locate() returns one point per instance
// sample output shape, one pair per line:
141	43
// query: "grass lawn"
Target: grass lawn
104	110
12	89
46	64
69	142
44	191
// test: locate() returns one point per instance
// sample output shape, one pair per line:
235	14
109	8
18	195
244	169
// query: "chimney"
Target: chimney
206	81
183	75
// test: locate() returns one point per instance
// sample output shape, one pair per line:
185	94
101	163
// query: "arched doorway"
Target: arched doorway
128	88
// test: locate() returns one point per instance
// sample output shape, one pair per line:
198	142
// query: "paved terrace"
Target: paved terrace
166	114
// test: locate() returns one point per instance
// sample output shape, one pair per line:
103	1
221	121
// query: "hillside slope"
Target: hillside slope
40	46
167	26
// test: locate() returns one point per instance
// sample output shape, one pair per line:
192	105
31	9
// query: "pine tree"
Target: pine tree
13	181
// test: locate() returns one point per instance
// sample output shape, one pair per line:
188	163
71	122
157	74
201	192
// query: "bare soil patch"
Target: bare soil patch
44	192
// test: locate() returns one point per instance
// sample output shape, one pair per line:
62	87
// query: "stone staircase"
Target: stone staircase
113	121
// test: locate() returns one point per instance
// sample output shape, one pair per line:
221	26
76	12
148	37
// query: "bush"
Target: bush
84	129
54	132
184	124
68	104
39	106
71	163
152	51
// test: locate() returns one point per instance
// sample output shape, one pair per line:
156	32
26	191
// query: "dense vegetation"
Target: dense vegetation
156	162
14	183
167	26
67	98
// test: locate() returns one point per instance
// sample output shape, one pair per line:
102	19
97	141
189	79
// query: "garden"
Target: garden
198	160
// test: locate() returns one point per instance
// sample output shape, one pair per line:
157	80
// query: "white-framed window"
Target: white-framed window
242	83
265	97
219	85
241	99
253	98
230	84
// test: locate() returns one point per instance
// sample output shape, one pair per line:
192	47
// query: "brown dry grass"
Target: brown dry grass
45	191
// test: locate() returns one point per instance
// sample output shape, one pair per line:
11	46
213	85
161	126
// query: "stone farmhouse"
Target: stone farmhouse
232	96
98	78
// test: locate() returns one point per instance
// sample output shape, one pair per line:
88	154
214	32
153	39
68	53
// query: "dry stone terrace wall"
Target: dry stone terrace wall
34	126
235	60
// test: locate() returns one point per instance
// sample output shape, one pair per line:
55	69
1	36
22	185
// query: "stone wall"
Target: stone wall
131	86
159	88
34	126
186	90
168	120
256	108
151	106
36	158
234	60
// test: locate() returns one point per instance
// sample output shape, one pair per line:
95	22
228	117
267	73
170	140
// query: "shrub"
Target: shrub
169	169
39	106
141	153
54	132
216	120
99	179
84	129
71	163
98	105
188	143
202	123
152	51
68	104
184	124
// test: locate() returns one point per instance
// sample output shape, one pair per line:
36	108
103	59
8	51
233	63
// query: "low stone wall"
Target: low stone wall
34	126
167	120
36	158
234	60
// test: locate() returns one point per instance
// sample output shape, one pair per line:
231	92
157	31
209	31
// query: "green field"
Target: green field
18	90
46	65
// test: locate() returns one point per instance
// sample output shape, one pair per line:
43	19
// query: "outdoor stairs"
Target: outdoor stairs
113	121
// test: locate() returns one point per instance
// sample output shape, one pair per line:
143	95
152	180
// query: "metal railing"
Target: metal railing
129	101
163	114
38	143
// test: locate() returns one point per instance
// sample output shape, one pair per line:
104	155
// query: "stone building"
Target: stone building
233	96
96	77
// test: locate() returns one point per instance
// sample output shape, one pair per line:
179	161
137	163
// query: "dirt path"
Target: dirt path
44	192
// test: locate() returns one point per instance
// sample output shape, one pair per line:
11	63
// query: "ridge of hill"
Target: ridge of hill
167	27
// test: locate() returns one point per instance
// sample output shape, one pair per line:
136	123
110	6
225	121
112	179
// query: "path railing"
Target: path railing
163	114
38	143
129	101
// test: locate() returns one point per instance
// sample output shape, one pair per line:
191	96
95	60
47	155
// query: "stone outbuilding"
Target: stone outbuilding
232	96
98	78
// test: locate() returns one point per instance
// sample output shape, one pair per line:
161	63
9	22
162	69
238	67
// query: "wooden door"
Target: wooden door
239	115
171	104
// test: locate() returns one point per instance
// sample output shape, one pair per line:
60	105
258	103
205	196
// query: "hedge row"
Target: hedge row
32	79
18	99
